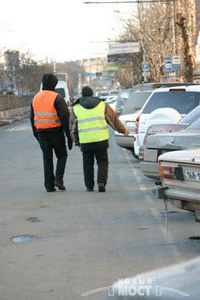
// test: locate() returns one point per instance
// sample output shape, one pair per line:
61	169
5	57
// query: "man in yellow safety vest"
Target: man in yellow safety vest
89	122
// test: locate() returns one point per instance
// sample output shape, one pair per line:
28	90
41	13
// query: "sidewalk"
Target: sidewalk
13	115
6	121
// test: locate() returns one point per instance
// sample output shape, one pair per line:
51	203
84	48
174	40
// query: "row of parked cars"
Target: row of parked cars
164	125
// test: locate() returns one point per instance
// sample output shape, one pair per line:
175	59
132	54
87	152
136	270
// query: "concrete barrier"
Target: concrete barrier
15	112
12	115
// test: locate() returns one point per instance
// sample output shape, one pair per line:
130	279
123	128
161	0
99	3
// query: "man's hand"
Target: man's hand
69	142
126	133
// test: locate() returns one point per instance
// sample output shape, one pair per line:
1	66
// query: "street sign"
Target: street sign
176	62
117	57
145	74
145	66
111	68
121	48
90	74
168	65
176	59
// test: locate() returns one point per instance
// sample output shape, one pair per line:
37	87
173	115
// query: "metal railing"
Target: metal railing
12	102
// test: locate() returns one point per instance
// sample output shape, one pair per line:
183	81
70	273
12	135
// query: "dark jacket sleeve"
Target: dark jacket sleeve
63	113
74	128
32	122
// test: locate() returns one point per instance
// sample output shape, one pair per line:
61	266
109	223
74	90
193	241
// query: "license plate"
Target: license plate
151	155
191	175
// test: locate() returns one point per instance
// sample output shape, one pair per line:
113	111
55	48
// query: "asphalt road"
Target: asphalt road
86	241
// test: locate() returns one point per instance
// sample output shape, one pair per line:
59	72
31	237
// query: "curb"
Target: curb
8	121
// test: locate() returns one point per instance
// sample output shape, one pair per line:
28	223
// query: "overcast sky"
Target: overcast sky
61	30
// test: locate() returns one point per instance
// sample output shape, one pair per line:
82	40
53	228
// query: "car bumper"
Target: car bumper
124	141
150	169
182	199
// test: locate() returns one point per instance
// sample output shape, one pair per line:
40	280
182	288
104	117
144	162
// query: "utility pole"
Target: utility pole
135	1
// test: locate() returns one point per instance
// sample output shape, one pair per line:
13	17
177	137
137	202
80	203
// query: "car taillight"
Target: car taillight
177	90
166	172
145	140
137	125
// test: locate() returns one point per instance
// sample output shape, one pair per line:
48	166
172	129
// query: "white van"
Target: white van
61	88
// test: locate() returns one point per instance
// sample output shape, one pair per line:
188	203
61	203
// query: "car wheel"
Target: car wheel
133	152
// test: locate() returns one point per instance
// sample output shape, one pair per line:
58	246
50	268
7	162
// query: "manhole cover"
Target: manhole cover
142	228
194	238
25	238
168	212
33	219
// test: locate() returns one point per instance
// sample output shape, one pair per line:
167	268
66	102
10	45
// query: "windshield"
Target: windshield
182	101
135	102
60	91
194	125
192	116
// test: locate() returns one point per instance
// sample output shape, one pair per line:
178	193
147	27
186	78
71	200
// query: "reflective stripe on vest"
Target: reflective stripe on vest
45	114
92	125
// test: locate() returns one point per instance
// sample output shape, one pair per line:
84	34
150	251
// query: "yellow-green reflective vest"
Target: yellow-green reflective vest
92	125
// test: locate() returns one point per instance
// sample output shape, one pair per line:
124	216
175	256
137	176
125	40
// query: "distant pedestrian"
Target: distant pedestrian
50	119
89	122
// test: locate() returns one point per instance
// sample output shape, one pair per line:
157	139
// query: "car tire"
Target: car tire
133	152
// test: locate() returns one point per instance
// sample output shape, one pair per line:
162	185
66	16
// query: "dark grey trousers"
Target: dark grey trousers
53	142
89	157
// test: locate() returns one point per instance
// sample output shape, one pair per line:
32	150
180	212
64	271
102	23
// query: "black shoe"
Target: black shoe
90	189
102	187
60	186
51	190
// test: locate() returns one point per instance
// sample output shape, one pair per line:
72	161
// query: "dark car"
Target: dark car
175	282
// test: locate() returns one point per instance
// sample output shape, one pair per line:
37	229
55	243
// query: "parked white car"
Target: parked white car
131	110
182	99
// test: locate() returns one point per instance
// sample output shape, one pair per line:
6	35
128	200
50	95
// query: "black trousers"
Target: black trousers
49	142
88	167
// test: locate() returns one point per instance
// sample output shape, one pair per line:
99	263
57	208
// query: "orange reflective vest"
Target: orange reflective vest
45	114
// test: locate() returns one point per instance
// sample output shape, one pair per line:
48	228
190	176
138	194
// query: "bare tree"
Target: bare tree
31	72
187	57
156	35
152	26
74	69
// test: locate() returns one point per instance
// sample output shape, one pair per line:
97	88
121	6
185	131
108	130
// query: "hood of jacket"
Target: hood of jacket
49	82
88	102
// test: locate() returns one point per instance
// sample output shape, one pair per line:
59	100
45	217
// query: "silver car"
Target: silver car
180	174
183	135
131	110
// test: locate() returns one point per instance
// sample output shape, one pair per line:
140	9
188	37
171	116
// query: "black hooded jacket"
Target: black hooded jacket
49	82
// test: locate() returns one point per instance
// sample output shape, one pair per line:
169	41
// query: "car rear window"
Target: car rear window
60	91
135	102
182	101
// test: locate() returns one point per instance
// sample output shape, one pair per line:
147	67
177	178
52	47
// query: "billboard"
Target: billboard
121	48
111	68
